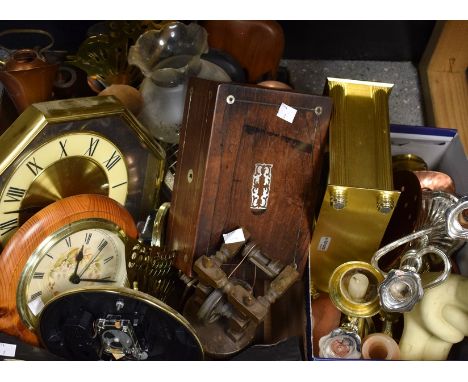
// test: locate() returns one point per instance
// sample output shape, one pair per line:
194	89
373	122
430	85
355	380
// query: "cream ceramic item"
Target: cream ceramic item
437	322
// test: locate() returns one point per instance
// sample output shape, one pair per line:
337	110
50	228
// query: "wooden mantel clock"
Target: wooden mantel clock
84	145
74	242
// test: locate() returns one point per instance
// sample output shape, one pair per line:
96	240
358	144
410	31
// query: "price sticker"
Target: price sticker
7	350
36	306
235	236
324	243
287	113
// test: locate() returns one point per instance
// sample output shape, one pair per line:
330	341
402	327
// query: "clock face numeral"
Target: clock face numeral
15	194
92	146
68	241
112	161
38	275
52	257
87	237
102	245
8	226
108	259
62	146
34	167
36	295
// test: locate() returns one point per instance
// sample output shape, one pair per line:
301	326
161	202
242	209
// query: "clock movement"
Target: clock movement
109	323
62	148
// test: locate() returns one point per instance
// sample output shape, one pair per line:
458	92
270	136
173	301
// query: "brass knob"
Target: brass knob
385	203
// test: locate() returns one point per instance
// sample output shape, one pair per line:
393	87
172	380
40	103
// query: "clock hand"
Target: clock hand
99	280
89	263
25	209
74	278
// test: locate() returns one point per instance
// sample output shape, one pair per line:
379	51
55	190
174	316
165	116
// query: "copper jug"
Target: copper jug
27	78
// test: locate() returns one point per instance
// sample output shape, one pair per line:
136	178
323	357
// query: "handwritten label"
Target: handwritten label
36	305
324	243
235	236
287	113
7	350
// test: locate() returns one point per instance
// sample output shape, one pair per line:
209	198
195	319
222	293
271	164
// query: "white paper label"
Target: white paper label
324	243
287	113
36	305
7	350
235	236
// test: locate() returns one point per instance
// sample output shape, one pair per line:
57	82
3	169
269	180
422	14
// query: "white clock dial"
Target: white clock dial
86	257
91	146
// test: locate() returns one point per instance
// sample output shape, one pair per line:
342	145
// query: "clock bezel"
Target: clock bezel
37	116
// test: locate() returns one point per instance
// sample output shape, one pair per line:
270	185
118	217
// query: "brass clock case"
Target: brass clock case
68	147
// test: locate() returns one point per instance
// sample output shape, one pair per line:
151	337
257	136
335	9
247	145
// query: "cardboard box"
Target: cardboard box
442	150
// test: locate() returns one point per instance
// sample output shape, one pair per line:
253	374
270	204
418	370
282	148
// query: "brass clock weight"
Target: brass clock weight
360	197
85	145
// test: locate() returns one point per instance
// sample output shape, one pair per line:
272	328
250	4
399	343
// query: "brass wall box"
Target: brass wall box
359	200
68	147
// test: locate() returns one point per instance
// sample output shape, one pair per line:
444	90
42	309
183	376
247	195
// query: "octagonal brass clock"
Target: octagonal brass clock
68	147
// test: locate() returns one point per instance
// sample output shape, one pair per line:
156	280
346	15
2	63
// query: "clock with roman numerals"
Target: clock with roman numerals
85	145
76	242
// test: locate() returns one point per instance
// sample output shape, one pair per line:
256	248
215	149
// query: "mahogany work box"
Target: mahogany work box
250	157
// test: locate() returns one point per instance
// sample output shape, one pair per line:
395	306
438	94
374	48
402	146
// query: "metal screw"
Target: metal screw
190	176
207	262
119	305
318	110
385	203
230	99
338	198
